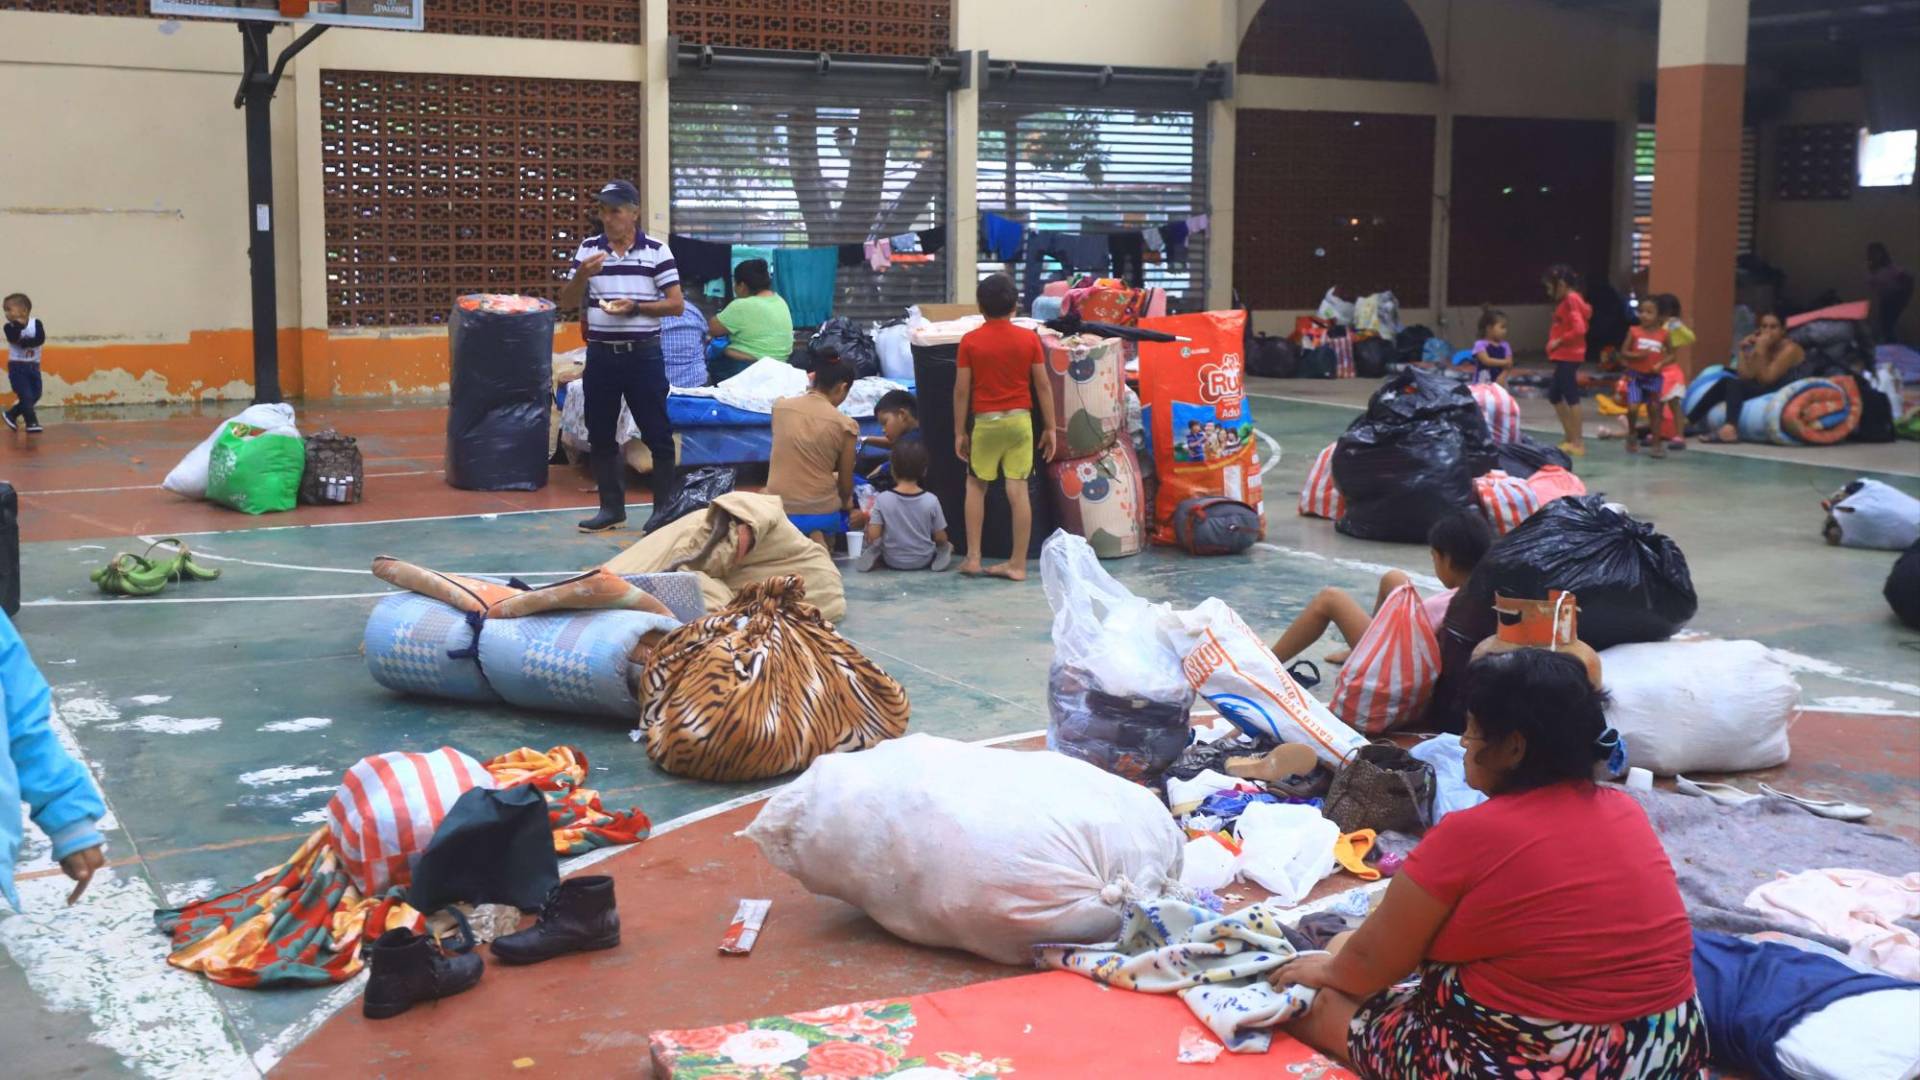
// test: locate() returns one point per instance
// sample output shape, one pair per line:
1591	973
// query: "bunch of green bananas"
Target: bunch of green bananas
139	575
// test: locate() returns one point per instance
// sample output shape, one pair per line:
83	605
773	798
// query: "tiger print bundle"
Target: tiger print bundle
761	689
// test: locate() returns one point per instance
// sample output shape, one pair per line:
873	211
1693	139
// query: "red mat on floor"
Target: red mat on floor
1054	1024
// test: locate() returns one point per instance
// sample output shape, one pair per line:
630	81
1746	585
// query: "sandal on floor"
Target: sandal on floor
1826	808
1724	794
1287	759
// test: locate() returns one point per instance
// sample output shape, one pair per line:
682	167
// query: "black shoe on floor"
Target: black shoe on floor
11	423
34	429
604	520
578	916
408	968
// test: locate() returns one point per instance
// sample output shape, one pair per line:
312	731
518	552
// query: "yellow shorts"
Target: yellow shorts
1002	444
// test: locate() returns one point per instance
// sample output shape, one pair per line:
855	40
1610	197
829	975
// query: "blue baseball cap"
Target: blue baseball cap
619	193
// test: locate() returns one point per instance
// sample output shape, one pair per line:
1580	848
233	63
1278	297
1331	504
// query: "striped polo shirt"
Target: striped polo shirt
642	274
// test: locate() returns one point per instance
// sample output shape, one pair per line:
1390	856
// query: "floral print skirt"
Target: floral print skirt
1434	1029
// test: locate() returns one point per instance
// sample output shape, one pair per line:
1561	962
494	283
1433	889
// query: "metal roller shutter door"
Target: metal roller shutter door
876	165
1098	162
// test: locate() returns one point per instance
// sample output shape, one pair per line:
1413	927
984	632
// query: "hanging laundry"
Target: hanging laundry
1176	236
700	261
905	243
1197	224
853	254
1128	250
723	288
879	254
1073	251
805	280
1001	237
932	240
1155	239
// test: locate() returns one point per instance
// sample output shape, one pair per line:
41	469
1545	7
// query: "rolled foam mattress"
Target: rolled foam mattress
573	661
1816	411
411	645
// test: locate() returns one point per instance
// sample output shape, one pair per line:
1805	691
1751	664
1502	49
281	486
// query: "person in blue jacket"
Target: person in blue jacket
37	770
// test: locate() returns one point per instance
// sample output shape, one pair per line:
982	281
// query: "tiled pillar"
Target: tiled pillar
1696	187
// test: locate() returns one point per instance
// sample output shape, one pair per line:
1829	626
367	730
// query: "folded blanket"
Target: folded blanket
302	923
767	381
1721	853
1217	964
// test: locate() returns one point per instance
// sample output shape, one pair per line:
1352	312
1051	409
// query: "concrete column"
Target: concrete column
1223	129
656	179
963	162
302	84
1696	190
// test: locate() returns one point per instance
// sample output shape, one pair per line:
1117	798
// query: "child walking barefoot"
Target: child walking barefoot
1567	349
1645	353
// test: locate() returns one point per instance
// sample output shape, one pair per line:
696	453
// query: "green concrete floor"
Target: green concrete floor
202	719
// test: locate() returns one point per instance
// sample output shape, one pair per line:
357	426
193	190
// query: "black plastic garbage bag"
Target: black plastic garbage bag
1319	362
1526	455
1903	587
1371	357
1410	345
843	338
499	398
1632	582
697	488
1411	460
1273	358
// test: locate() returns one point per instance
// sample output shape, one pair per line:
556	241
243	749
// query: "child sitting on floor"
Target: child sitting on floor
811	467
899	417
908	530
1458	540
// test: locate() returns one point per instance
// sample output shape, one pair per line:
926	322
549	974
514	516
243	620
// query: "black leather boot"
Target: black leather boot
610	474
666	488
408	968
578	916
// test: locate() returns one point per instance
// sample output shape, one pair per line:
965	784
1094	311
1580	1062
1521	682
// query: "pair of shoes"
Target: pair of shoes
409	968
142	575
1728	795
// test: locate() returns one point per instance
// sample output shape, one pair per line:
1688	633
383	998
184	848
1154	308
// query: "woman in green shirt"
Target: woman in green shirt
757	322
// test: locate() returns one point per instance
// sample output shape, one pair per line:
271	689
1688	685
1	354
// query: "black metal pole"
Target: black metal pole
255	96
257	92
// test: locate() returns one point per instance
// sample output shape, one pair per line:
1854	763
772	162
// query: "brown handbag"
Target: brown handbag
762	688
1381	787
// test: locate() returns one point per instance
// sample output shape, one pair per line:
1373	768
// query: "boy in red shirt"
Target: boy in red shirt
1567	349
1647	358
1002	371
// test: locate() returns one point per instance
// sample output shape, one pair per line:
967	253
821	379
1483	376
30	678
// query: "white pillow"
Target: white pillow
1871	1036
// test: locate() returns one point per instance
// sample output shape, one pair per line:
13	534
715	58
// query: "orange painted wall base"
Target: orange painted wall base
217	365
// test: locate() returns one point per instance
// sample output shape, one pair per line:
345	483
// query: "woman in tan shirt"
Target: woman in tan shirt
811	467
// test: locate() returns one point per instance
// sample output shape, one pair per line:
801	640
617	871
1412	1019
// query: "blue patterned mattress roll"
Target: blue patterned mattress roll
408	638
568	661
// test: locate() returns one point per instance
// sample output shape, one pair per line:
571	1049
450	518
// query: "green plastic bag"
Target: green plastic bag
256	470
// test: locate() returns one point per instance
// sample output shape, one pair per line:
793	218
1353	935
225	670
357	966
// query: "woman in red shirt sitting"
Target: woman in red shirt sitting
1544	926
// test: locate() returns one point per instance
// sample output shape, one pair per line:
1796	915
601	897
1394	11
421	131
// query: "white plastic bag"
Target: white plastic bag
1449	760
1334	309
1285	848
1208	864
1870	514
1233	668
895	345
189	478
1102	629
992	851
1705	706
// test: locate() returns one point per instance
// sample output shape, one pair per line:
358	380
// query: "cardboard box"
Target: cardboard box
948	312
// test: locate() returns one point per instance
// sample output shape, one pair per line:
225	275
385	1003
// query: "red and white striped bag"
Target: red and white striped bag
1318	497
1342	354
1502	412
389	805
1508	500
1389	679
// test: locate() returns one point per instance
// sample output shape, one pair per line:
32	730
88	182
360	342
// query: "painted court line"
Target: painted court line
148	601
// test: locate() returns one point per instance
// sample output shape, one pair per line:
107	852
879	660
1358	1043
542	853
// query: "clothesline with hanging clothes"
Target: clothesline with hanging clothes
803	276
1122	253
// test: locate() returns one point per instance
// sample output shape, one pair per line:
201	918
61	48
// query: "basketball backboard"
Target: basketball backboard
370	14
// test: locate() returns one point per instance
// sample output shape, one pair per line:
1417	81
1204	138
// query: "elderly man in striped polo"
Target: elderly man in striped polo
628	282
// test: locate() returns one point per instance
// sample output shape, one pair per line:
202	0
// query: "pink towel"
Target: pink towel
1859	907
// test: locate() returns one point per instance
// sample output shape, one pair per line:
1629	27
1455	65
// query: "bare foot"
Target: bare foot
970	568
1007	570
1339	656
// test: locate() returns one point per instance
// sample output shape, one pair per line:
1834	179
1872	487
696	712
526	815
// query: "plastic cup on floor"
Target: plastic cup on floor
856	543
1639	779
